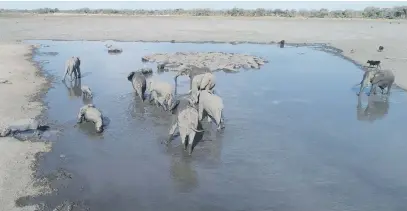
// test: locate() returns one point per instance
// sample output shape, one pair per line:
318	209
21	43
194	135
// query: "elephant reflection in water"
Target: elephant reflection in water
183	174
377	108
74	90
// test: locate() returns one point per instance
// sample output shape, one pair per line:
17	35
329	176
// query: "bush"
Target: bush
368	12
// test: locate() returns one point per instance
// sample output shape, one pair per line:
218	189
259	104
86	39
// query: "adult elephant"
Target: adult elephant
92	114
377	78
206	81
191	71
162	92
209	105
138	80
187	124
72	66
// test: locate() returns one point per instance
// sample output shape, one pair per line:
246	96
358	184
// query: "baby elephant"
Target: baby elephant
72	66
86	91
162	92
187	123
92	114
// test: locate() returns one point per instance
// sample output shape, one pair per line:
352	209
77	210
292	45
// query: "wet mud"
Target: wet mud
297	137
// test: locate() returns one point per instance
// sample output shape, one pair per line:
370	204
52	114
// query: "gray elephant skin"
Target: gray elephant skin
191	71
187	123
86	91
72	66
162	92
138	80
377	78
91	114
206	81
210	105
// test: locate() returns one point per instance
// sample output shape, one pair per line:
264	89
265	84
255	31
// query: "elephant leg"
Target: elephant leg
362	87
183	138
171	132
388	88
200	112
209	119
78	69
191	138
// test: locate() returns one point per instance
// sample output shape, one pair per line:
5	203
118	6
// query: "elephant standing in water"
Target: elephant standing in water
92	114
191	71
161	92
375	109
138	80
187	123
72	66
206	81
377	78
209	105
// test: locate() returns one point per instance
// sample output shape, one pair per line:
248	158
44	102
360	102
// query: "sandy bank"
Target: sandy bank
364	36
16	157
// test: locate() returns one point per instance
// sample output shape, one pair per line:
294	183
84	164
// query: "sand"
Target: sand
363	36
16	157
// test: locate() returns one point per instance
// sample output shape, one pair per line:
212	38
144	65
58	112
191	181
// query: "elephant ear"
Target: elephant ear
130	76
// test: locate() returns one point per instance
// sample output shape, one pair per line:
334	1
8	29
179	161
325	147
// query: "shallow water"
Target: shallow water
293	138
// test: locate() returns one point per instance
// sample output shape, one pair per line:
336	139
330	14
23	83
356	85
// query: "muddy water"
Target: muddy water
294	138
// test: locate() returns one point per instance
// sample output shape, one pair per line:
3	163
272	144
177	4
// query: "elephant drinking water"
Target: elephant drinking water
377	78
72	66
92	114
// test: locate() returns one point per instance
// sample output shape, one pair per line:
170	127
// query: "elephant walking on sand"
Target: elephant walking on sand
162	92
72	66
210	105
91	114
187	123
138	80
377	78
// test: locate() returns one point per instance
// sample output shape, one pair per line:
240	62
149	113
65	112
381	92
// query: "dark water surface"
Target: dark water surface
294	139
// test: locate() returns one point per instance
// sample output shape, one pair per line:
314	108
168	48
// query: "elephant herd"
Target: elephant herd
200	102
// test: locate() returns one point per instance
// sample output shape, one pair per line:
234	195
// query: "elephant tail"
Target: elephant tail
196	130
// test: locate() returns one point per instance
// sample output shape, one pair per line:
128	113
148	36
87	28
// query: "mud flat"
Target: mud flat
229	62
19	101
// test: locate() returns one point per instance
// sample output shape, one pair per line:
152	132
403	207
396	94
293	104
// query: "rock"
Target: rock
212	60
4	81
146	71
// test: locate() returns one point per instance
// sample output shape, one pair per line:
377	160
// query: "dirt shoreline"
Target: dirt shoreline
21	99
364	36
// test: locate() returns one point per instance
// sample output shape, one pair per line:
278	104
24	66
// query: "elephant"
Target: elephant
206	81
72	66
161	91
138	80
191	71
375	109
209	105
187	123
180	103
86	91
18	127
282	42
373	63
90	113
381	48
382	78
